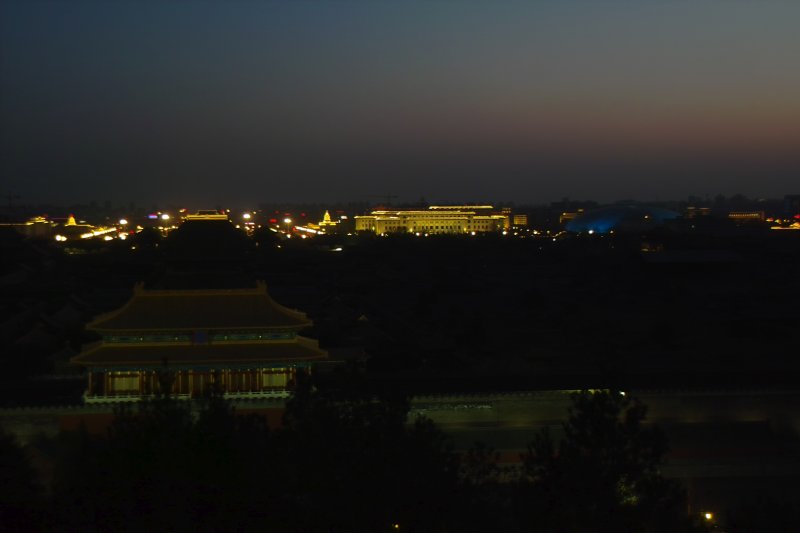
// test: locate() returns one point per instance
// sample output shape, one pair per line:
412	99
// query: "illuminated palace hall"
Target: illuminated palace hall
188	341
435	219
202	324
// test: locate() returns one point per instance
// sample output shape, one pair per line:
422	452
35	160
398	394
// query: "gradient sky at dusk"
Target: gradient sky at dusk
254	101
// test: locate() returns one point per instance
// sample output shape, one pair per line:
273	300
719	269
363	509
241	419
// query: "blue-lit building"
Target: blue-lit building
620	218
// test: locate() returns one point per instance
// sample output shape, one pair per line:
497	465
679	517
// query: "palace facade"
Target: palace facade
457	219
187	342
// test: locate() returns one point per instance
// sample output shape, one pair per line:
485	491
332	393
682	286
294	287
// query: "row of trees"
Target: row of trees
343	462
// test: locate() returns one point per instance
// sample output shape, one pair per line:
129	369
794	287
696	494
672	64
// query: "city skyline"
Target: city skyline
213	102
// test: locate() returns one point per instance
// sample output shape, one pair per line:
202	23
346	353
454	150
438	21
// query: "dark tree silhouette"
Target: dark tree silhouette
342	462
604	474
349	460
21	498
361	468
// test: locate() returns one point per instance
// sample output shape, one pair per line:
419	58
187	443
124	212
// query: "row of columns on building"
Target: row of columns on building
192	382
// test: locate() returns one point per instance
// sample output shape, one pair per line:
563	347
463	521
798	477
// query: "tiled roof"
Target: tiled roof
217	309
301	349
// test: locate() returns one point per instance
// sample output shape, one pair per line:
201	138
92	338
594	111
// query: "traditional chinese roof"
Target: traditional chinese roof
299	349
210	310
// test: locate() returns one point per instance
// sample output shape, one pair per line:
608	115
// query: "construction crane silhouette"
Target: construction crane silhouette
386	197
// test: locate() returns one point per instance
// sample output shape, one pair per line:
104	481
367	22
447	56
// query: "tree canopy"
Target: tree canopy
603	475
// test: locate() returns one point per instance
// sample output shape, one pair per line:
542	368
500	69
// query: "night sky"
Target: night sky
238	103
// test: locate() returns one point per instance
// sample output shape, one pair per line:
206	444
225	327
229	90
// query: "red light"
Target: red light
273	221
797	217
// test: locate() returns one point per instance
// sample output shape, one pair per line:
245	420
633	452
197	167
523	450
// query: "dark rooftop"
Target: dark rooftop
216	309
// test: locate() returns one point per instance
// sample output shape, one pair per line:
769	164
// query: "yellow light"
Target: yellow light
287	220
122	222
395	526
165	217
709	516
246	216
108	238
123	236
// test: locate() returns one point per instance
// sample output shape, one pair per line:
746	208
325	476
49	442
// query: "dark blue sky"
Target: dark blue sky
243	102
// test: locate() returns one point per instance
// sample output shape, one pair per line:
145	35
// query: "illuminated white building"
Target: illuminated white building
436	219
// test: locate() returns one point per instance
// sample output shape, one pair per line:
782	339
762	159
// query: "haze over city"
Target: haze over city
208	102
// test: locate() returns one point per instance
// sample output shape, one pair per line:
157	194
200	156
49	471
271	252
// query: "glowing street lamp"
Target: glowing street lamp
123	222
165	217
246	216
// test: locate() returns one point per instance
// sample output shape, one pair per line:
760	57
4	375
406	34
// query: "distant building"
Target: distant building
746	216
328	225
695	212
36	227
620	218
186	342
73	230
455	219
520	220
566	216
207	214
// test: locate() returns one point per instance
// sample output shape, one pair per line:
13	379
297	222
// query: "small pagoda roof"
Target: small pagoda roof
298	350
216	309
